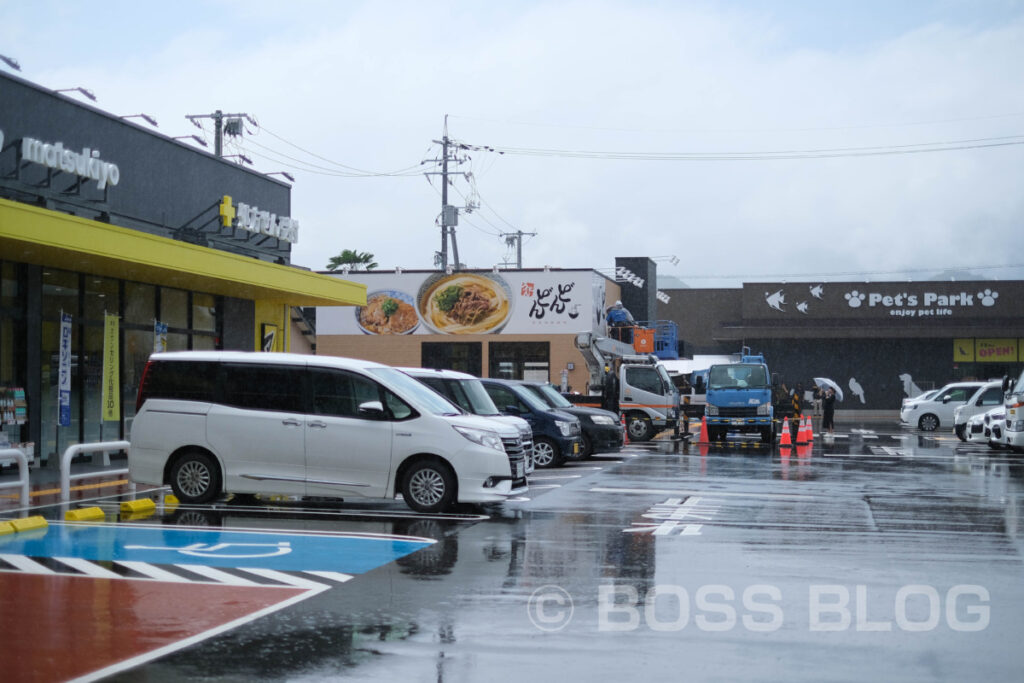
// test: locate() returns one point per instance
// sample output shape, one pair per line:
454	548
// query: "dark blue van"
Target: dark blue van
556	435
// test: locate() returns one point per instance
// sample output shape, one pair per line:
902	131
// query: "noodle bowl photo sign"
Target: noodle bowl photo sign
464	303
387	311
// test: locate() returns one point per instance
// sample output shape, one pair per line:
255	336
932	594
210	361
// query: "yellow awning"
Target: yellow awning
33	235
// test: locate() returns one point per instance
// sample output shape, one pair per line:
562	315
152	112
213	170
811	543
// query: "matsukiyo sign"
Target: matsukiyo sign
86	164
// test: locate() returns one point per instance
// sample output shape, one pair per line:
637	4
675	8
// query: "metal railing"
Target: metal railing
104	447
22	482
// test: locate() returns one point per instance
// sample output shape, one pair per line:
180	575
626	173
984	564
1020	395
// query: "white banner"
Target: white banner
478	302
64	372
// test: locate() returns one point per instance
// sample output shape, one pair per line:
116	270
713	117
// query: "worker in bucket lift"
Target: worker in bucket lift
621	322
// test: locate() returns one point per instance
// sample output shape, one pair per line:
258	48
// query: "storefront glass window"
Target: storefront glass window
464	357
519	360
138	344
101	297
174	308
204	313
139	303
12	374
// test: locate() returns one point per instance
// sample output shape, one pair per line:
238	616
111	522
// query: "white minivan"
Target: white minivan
216	422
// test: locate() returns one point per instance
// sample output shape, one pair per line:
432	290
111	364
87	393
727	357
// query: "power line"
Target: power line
882	150
794	129
353	169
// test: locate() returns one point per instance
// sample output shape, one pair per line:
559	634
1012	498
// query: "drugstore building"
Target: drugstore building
111	233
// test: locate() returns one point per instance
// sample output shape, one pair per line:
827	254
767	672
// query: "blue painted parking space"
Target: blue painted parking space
348	553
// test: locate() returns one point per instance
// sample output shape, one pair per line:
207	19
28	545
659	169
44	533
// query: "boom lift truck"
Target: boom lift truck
647	398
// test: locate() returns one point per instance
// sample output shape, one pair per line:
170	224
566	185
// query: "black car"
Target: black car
602	431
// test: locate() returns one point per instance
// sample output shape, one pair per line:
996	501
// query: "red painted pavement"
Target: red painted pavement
53	628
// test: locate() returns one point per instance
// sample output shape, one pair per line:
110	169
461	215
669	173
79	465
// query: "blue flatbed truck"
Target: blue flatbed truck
739	399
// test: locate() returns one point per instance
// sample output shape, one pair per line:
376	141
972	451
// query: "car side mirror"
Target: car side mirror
373	410
1006	383
511	410
947	398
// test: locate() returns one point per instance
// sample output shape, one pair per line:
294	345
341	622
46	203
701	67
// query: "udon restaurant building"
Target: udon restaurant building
115	241
516	324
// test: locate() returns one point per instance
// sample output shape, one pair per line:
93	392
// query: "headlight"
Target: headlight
564	427
764	409
602	420
482	437
1015	426
711	410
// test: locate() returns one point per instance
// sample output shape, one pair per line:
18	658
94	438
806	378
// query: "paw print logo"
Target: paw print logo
855	298
988	297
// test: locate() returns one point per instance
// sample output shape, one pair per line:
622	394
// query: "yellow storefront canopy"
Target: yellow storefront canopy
39	236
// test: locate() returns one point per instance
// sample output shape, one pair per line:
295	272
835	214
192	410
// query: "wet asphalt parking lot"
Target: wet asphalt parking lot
883	554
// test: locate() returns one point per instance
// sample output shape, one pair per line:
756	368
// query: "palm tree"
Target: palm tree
356	259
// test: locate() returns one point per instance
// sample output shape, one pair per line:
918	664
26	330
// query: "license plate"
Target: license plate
520	470
737	421
576	448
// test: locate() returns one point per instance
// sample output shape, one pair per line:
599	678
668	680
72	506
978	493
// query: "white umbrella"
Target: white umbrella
825	382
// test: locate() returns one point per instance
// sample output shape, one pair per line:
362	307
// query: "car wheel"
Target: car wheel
640	428
586	449
428	486
546	453
928	422
195	478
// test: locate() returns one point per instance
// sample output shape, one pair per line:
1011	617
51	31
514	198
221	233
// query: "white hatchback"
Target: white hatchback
938	411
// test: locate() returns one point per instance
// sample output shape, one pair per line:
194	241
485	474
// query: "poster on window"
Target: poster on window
269	337
111	396
64	372
159	336
471	302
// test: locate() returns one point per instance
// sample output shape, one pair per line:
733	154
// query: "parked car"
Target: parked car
602	430
995	428
215	422
467	392
931	414
974	431
556	434
926	396
984	399
1013	390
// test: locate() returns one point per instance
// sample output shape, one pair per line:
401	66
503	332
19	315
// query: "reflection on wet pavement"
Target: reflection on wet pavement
880	554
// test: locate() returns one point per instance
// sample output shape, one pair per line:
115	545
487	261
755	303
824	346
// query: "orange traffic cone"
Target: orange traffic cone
810	430
786	439
704	430
801	432
625	430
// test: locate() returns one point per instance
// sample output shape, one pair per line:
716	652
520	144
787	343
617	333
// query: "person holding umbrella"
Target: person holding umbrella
829	410
832	391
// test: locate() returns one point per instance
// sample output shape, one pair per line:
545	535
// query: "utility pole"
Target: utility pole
517	239
230	124
449	213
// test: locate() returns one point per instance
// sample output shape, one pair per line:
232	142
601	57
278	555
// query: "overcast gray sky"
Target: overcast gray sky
366	85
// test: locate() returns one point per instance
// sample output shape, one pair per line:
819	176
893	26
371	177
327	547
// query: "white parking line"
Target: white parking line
556	476
714	494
